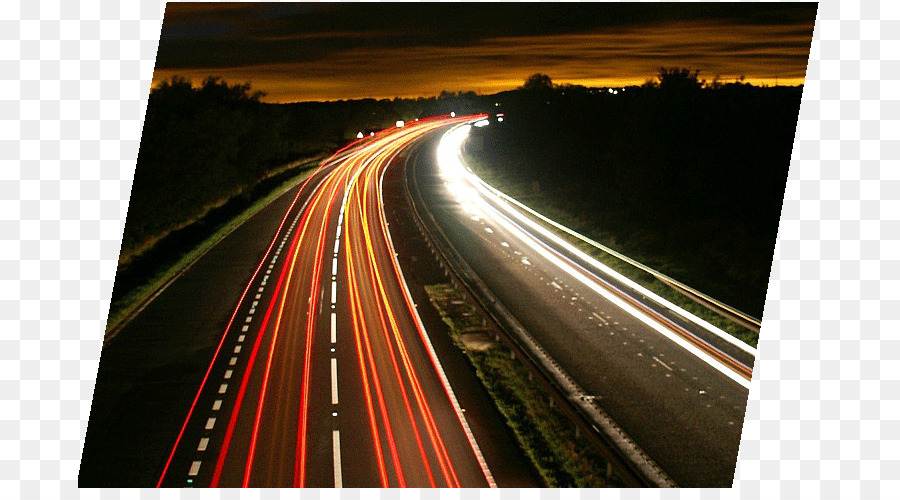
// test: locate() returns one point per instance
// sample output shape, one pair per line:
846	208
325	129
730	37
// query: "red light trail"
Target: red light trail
402	395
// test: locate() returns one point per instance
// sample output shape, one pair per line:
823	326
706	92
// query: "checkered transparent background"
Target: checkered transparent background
822	421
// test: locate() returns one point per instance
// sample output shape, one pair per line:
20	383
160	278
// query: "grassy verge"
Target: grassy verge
546	435
545	205
122	307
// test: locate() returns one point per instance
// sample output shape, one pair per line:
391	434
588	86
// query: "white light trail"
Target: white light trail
471	191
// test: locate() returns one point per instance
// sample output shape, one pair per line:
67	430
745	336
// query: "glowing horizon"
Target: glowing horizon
307	52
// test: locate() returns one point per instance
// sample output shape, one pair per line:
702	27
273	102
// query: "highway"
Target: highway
675	384
324	376
294	353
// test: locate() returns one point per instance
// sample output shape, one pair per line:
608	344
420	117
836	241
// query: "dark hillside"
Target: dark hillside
209	151
688	179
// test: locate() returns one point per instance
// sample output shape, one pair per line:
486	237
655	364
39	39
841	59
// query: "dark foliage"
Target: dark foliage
204	145
689	178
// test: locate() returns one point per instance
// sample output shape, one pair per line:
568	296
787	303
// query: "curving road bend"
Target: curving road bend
324	376
675	384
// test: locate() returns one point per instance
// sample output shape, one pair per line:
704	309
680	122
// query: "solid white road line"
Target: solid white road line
336	449
479	457
334	390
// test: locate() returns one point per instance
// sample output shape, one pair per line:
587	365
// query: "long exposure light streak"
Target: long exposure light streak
474	195
277	368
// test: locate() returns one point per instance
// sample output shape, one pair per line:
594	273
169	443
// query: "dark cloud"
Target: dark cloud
352	43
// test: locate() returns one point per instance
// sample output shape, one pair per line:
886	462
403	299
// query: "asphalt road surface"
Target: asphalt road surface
676	387
324	376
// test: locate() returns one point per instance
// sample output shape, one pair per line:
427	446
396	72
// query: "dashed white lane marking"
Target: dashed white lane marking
241	338
333	292
598	317
210	423
228	374
195	468
249	319
223	388
526	261
254	304
505	244
217	404
258	296
337	244
261	289
237	349
334	389
334	265
665	365
203	443
245	328
553	283
333	328
252	310
336	450
489	230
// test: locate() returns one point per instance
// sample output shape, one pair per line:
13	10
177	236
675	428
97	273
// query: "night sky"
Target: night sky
329	51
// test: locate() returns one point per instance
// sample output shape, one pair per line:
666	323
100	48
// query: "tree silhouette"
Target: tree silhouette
538	81
679	79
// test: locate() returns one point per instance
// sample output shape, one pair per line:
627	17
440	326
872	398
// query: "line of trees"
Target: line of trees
203	145
680	160
687	175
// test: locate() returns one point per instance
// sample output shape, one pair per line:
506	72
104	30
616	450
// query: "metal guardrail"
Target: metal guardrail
631	463
701	298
